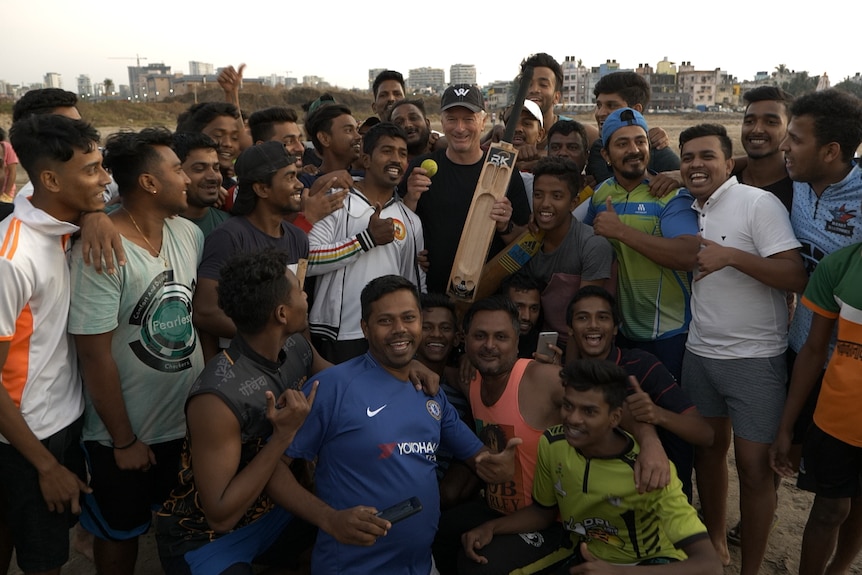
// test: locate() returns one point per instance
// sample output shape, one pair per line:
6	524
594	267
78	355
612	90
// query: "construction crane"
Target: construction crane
136	57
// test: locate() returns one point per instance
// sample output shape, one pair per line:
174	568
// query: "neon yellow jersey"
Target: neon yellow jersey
599	504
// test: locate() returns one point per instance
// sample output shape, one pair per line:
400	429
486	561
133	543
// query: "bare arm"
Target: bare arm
207	315
782	271
60	487
702	560
679	253
689	426
806	372
216	445
354	526
102	380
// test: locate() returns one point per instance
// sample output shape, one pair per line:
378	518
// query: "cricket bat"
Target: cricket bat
479	227
510	260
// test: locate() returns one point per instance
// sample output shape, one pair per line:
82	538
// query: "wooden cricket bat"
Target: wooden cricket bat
479	227
510	260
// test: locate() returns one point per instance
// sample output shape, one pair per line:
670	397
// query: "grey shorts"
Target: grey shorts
751	391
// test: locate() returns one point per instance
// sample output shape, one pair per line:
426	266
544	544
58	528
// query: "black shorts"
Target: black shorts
121	505
41	537
829	467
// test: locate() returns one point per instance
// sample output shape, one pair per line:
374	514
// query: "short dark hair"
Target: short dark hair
562	168
262	123
632	88
130	154
384	285
196	118
606	376
520	281
592	291
418	102
434	300
251	285
186	142
321	121
768	93
386	75
837	118
377	131
38	139
566	127
42	101
497	302
703	130
543	60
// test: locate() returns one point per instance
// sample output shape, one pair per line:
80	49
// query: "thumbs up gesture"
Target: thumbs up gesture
641	406
712	257
382	230
608	224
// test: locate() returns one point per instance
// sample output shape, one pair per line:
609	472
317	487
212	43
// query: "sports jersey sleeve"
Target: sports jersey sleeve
16	292
819	295
543	483
677	218
410	267
218	247
312	435
455	436
330	250
771	226
95	302
678	518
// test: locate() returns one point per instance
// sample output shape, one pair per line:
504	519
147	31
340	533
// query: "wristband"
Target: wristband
121	447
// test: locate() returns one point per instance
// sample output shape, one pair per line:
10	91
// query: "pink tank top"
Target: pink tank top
496	425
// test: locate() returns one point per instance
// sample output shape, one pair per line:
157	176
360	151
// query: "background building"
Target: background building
426	80
462	74
200	69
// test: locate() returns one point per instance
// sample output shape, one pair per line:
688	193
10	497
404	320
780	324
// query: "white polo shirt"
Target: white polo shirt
41	370
733	315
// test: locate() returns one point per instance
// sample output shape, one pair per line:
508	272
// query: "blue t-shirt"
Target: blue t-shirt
376	439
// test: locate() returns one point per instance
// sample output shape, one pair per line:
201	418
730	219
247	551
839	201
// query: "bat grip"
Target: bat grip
515	115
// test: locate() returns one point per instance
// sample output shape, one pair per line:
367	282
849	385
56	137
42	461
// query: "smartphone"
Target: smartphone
401	510
547	339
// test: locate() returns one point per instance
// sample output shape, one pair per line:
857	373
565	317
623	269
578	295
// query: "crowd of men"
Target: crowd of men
247	343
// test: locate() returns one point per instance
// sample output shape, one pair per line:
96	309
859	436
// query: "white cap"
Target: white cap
534	109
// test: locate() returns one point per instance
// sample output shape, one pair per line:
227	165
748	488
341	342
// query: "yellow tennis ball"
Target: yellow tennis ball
430	166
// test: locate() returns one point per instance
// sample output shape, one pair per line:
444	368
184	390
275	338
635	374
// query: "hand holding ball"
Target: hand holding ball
430	167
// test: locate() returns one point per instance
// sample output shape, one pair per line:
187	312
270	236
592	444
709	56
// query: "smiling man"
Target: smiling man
268	191
387	88
138	350
444	201
375	439
571	254
654	239
764	126
734	367
409	115
199	156
41	404
374	234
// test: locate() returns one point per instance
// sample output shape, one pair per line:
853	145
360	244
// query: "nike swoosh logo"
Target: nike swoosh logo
370	413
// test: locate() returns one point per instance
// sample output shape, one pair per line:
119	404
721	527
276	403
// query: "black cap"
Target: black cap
462	95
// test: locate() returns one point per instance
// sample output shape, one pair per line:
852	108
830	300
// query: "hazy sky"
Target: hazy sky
345	39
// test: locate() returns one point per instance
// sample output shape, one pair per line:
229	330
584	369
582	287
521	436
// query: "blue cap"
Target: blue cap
620	119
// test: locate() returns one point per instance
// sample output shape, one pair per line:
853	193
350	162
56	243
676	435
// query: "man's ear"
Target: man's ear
148	182
324	138
616	416
261	190
606	156
364	325
50	181
638	107
365	160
